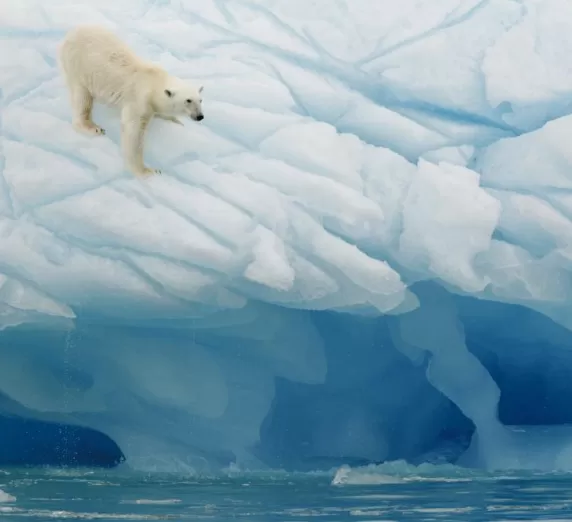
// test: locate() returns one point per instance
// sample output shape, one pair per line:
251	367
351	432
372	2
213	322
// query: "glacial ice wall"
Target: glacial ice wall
362	249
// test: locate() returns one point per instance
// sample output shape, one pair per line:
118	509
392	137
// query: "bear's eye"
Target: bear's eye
168	93
189	100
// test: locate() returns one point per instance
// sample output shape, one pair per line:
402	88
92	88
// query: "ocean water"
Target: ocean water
366	495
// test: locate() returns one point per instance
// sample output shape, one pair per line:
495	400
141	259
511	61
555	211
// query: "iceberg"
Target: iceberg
363	253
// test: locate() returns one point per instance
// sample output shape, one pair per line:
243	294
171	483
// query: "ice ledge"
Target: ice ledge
305	186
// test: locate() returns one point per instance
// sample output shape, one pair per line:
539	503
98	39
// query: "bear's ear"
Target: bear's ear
168	93
201	87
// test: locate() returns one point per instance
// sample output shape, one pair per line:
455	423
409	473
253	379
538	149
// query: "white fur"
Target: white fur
98	66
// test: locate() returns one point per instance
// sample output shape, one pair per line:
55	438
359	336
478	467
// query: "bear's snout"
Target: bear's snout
200	117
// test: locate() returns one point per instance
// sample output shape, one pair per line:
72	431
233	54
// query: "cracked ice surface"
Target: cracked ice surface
350	149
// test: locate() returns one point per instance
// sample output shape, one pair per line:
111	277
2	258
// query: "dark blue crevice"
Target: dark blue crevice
25	442
529	357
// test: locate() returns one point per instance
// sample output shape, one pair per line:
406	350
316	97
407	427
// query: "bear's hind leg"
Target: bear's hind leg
82	105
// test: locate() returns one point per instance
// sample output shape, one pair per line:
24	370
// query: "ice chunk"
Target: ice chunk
5	497
447	211
534	162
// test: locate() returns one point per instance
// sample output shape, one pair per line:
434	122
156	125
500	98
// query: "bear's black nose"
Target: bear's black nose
200	117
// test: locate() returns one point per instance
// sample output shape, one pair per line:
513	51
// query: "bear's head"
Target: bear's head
182	98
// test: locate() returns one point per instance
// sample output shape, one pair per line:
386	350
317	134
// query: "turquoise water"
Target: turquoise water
376	495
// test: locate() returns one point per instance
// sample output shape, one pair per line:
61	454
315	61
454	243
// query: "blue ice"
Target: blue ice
362	254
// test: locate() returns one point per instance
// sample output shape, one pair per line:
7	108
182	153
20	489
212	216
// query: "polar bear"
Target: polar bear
98	66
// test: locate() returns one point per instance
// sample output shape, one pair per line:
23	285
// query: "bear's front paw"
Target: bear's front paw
89	128
146	172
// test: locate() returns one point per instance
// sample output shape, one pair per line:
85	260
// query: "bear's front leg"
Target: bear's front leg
133	127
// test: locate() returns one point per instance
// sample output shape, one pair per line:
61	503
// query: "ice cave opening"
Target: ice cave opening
106	392
376	404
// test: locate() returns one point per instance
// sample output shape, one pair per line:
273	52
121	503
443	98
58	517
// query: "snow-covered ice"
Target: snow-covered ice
366	242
